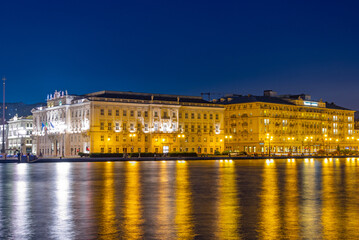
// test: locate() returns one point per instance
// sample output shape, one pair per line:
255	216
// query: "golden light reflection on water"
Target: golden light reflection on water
352	204
329	205
310	203
269	211
164	214
228	202
183	219
132	209
291	201
108	217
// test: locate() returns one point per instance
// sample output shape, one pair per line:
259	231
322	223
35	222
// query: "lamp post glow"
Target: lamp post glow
132	135
180	136
228	137
270	138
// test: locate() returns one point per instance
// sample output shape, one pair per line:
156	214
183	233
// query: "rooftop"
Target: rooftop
272	97
147	96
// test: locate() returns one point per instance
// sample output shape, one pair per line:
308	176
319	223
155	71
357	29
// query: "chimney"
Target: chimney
269	93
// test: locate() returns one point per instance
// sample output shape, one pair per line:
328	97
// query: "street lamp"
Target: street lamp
270	138
228	137
324	139
180	137
132	135
291	147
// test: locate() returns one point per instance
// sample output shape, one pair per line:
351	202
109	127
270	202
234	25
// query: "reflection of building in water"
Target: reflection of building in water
20	134
133	209
228	202
165	214
183	219
310	204
62	226
330	205
21	220
269	217
117	122
351	210
108	217
291	201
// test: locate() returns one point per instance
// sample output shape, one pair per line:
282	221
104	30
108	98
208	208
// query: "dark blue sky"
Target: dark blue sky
181	47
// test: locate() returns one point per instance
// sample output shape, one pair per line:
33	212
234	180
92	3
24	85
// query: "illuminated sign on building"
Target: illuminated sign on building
313	104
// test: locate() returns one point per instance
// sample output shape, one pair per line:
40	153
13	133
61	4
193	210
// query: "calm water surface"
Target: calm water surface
254	199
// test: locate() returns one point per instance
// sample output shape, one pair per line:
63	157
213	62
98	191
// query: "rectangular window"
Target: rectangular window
146	114
210	116
110	112
109	126
117	112
102	112
117	126
204	116
102	138
102	126
138	113
156	114
199	116
131	113
102	150
124	113
192	115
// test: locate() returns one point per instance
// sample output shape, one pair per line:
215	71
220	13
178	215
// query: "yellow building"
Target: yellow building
287	124
123	122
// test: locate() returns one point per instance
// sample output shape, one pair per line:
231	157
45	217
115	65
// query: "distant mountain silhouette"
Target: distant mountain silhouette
21	109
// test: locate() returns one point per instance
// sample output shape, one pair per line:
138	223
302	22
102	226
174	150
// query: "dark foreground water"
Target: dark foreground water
254	199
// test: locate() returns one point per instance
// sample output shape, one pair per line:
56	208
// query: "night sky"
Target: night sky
181	47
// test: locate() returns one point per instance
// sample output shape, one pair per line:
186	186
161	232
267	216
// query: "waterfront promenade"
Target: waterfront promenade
116	159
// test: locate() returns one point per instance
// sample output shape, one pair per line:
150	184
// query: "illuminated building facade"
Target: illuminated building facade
124	122
286	124
6	129
19	135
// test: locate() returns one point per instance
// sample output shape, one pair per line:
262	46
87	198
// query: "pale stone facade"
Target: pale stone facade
286	124
120	122
20	135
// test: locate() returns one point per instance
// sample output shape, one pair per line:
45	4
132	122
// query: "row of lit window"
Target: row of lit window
125	150
155	114
139	139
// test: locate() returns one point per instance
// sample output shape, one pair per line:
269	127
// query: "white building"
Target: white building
20	135
122	122
5	140
57	130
